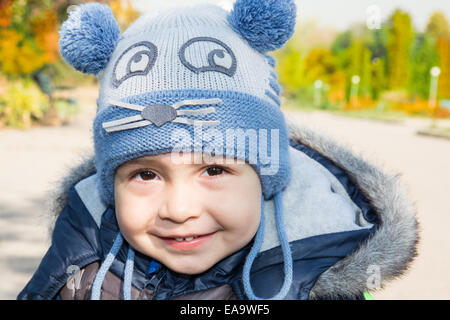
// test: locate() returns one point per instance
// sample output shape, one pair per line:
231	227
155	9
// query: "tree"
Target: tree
399	42
423	58
342	42
356	60
437	25
377	42
5	13
124	12
290	68
320	64
443	49
378	73
378	78
438	28
29	39
362	52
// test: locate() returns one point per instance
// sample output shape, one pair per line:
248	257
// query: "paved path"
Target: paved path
31	161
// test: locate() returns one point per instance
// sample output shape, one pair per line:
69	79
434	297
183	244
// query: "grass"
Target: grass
436	132
377	114
386	116
293	105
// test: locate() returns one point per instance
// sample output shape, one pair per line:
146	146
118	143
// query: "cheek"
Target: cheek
238	208
133	212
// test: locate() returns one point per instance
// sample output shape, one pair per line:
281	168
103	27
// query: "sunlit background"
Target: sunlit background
375	74
382	58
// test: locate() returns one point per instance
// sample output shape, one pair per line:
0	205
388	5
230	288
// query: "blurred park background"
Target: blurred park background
375	75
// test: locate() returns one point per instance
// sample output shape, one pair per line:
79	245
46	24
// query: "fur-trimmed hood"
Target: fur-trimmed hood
383	256
393	246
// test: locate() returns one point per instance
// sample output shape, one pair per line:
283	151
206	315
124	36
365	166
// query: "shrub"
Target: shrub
22	103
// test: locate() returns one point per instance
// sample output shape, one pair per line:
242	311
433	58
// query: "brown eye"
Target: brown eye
145	175
214	171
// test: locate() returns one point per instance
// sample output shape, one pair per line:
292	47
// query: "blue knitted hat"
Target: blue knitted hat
186	79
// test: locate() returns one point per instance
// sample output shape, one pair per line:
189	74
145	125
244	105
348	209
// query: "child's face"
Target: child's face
158	200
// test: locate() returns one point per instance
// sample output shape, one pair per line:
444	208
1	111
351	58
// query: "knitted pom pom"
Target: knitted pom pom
88	37
265	24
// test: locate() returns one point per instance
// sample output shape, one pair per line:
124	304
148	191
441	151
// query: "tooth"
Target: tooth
189	238
179	239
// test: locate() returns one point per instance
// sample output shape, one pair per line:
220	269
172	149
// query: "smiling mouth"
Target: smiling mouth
187	242
187	238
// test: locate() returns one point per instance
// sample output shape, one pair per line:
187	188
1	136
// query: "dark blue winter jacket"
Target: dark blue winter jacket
334	249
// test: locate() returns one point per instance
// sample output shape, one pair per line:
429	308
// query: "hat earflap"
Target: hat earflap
88	37
265	24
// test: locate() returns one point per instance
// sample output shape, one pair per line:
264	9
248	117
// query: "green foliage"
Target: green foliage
290	68
66	109
399	42
22	103
366	73
377	42
443	50
438	29
341	43
437	25
392	59
65	76
29	59
378	80
362	52
423	58
320	64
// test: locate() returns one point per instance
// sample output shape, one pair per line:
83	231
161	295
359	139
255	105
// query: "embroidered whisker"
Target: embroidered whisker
160	114
125	105
196	102
119	122
196	112
128	126
194	122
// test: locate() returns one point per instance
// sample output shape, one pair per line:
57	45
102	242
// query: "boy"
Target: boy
165	212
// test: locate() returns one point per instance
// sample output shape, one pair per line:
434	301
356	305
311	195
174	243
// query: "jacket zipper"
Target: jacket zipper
152	284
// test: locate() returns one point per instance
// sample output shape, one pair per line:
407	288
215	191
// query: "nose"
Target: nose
180	204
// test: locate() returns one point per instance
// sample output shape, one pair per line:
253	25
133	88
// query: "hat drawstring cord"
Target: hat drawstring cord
285	247
101	274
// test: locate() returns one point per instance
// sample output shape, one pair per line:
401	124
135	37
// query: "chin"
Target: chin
190	267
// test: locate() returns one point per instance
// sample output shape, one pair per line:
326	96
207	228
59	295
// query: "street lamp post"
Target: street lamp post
435	72
354	90
318	84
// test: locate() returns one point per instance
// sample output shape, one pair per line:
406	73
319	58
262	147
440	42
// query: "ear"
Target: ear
265	24
89	37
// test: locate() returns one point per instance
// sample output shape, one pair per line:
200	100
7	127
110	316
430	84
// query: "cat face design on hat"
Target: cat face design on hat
199	47
175	68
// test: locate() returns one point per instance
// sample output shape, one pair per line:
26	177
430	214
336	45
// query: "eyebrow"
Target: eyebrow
145	160
152	160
